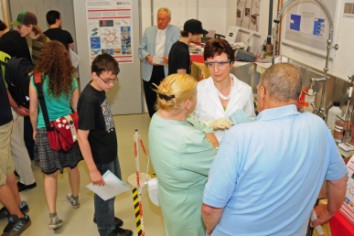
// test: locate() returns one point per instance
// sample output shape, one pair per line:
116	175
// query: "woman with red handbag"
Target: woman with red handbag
60	95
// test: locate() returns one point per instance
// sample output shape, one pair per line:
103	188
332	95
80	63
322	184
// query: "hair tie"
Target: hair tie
166	97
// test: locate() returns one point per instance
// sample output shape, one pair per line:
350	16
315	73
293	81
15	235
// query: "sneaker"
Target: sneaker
118	222
55	223
122	232
24	207
74	201
4	213
16	225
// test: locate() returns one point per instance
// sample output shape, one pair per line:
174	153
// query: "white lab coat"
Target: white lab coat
210	108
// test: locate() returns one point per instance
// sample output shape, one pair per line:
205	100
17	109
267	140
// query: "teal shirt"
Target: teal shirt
181	156
57	107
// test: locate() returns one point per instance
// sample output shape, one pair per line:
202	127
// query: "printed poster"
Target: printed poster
307	25
247	14
110	28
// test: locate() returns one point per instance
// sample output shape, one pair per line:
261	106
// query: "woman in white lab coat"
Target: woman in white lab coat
222	99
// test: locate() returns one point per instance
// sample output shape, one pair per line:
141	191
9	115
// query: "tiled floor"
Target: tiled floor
79	221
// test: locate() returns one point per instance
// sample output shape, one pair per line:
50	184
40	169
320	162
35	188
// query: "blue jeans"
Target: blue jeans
104	210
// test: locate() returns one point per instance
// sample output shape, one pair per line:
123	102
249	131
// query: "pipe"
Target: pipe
321	109
269	38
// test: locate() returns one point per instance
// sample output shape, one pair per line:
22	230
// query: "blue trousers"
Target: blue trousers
104	210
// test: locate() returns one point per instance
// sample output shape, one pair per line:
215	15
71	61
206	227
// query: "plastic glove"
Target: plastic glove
221	123
199	125
239	117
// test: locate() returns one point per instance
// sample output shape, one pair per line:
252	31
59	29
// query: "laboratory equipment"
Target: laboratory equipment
333	113
309	102
350	93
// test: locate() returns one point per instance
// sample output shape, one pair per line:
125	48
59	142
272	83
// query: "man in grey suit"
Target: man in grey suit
153	52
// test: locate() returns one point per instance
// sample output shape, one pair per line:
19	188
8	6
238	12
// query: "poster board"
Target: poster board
109	29
248	14
126	96
307	26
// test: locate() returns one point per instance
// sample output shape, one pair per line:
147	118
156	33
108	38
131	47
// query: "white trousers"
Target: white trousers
22	161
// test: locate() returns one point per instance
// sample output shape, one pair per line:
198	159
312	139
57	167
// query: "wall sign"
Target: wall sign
110	28
307	26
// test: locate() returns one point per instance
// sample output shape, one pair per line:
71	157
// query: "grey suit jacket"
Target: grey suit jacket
147	47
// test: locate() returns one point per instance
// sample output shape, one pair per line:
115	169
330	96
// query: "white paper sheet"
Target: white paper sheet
113	187
75	58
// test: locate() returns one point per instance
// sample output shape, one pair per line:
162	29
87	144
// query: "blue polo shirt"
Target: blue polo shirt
267	174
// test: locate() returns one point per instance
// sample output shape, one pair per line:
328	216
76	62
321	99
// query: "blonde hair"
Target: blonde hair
174	90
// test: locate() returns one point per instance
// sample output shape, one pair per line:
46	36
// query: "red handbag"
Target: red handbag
62	132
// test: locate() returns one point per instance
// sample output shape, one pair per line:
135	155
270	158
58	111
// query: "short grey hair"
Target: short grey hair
282	81
165	9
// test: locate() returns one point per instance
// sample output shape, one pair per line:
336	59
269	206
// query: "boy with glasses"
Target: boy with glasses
98	140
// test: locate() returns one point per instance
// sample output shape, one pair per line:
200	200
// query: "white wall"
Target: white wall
343	64
210	13
1	13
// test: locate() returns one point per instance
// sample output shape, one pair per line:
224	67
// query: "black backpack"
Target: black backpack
17	73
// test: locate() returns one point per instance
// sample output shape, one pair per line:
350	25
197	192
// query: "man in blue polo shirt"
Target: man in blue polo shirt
267	174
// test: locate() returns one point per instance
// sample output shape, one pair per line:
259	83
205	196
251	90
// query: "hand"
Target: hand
323	215
34	135
96	178
149	59
220	124
22	111
199	125
165	60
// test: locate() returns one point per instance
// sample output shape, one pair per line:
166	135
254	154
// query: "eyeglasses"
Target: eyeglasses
109	81
212	64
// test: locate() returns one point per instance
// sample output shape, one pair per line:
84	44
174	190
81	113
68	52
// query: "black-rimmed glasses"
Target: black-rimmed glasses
109	81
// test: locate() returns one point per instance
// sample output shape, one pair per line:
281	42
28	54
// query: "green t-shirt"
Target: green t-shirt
57	107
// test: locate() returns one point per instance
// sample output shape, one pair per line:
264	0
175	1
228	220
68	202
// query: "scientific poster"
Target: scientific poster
247	14
307	25
110	28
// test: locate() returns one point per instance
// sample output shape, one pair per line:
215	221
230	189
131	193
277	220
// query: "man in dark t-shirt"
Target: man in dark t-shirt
22	142
178	59
55	32
98	140
13	44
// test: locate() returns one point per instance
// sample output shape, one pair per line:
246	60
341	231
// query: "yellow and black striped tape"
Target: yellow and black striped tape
139	227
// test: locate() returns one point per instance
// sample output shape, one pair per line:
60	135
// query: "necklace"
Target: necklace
222	96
